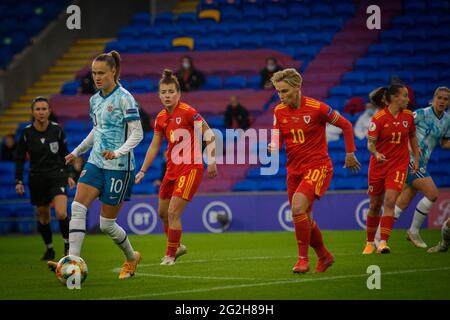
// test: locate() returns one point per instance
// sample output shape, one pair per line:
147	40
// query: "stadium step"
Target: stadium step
50	83
189	6
60	76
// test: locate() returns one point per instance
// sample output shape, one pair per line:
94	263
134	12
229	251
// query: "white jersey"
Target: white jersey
110	115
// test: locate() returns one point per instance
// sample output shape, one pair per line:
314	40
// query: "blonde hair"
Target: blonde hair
168	78
290	76
112	59
441	89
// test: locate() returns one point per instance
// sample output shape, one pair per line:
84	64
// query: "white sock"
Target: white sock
445	232
397	212
378	234
420	214
77	228
119	236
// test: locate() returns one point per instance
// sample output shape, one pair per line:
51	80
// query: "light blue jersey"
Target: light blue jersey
430	130
110	115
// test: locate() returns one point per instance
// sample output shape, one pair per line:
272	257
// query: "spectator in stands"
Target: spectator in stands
145	120
9	147
236	116
87	85
395	79
377	101
271	67
362	124
188	76
354	105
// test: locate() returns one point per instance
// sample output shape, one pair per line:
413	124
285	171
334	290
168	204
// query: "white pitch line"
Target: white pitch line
263	284
221	260
192	277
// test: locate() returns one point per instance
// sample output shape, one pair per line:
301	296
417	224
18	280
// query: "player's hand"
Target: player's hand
212	170
20	190
108	155
69	158
379	157
139	177
351	162
71	183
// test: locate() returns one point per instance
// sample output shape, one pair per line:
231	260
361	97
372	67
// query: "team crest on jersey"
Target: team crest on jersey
405	124
82	173
372	126
54	147
110	108
274	120
307	119
178	120
42	140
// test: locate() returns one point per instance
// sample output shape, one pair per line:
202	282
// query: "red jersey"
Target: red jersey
391	136
182	117
303	131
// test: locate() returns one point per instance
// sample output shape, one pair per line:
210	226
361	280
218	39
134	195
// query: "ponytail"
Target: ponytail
168	77
112	59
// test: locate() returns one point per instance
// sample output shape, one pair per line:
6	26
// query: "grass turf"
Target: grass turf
230	266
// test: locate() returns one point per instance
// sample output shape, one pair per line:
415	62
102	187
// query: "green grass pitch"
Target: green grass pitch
230	266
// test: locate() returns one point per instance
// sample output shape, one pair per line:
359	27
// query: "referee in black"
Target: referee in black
46	146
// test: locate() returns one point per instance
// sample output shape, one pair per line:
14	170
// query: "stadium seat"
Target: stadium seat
213	83
235	82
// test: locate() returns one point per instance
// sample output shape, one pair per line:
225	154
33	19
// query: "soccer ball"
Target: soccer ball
70	265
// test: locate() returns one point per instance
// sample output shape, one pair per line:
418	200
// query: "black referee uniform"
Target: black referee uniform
48	173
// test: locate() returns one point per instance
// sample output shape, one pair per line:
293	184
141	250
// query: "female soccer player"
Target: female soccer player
180	124
433	127
300	122
45	143
109	172
388	136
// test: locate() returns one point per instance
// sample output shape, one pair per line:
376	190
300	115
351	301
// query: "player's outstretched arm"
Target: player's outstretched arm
150	156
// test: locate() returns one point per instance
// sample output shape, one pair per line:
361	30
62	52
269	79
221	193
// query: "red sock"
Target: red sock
371	227
316	241
386	225
166	229
173	241
302	234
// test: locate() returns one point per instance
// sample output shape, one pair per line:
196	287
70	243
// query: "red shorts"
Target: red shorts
391	179
184	186
313	183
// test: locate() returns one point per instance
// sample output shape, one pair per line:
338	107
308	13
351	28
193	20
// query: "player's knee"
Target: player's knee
389	202
162	214
173	214
78	211
107	225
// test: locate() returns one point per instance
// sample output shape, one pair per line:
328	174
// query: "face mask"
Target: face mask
271	67
186	65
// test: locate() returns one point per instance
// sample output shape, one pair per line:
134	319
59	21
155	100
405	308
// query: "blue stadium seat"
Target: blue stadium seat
288	26
254	82
322	11
205	43
392	36
404	21
263	27
299	9
163	18
366	64
438	61
235	82
251	42
275	12
70	88
219	29
378	77
341	91
141	19
215	121
297	39
213	83
426	75
230	14
379	49
354	78
344	9
414	7
186	18
141	86
252	13
390	63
